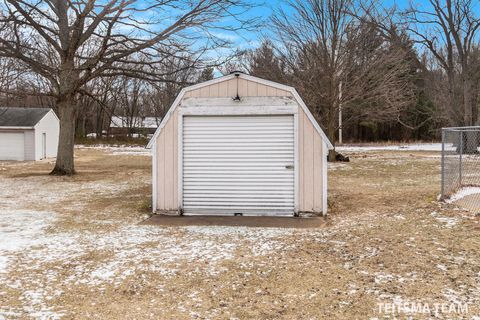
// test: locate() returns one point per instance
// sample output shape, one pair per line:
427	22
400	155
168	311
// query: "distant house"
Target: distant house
133	125
28	133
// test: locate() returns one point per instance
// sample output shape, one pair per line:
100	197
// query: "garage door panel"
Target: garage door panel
231	197
12	146
238	177
267	156
220	171
276	188
238	152
241	193
238	164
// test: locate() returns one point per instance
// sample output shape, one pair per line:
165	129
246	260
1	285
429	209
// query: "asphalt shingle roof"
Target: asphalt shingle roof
21	117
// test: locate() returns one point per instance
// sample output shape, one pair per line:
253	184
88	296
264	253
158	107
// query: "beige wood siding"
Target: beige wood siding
228	88
167	166
309	148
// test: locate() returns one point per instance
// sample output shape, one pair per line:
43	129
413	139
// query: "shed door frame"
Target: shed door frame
238	111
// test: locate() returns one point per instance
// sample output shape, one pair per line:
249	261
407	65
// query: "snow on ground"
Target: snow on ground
447	222
27	245
43	262
133	247
462	193
119	150
20	230
142	151
401	147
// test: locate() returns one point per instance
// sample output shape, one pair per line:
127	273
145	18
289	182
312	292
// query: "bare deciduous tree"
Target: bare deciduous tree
449	29
70	43
338	61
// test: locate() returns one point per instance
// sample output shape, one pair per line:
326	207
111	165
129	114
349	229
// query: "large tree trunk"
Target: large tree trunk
467	101
453	108
64	164
332	154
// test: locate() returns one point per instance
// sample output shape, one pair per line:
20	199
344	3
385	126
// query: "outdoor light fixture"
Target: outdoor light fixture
237	97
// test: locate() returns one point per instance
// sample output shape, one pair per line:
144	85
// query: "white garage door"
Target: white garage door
12	146
238	164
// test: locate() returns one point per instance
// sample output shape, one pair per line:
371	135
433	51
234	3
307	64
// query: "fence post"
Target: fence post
461	156
442	191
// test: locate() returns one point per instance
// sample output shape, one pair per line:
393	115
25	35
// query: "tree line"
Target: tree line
391	74
367	72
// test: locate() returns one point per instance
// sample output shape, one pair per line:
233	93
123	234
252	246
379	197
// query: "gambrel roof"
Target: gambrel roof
240	75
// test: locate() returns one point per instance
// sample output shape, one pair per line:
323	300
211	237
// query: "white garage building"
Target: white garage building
28	133
239	145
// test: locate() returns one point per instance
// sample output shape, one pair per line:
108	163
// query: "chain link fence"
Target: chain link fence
461	167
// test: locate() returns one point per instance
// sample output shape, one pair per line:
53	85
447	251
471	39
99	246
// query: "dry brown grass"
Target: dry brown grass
386	238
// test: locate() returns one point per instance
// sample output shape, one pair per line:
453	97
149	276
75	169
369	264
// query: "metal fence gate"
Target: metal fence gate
461	166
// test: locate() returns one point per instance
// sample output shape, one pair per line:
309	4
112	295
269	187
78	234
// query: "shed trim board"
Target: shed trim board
296	164
229	102
325	183
180	162
231	111
154	179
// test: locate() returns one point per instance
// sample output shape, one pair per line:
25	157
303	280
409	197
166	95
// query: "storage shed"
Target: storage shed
28	133
239	145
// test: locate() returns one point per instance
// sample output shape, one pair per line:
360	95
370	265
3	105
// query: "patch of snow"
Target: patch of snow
449	222
10	189
339	166
20	230
400	147
381	277
38	308
119	150
27	238
4	315
132	153
441	267
462	193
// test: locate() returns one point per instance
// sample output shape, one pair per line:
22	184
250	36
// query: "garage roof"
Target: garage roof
21	117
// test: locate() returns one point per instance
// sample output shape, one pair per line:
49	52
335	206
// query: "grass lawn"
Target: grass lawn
71	247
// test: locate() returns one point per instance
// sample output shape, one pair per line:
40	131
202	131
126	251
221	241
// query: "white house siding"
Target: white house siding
51	126
311	160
